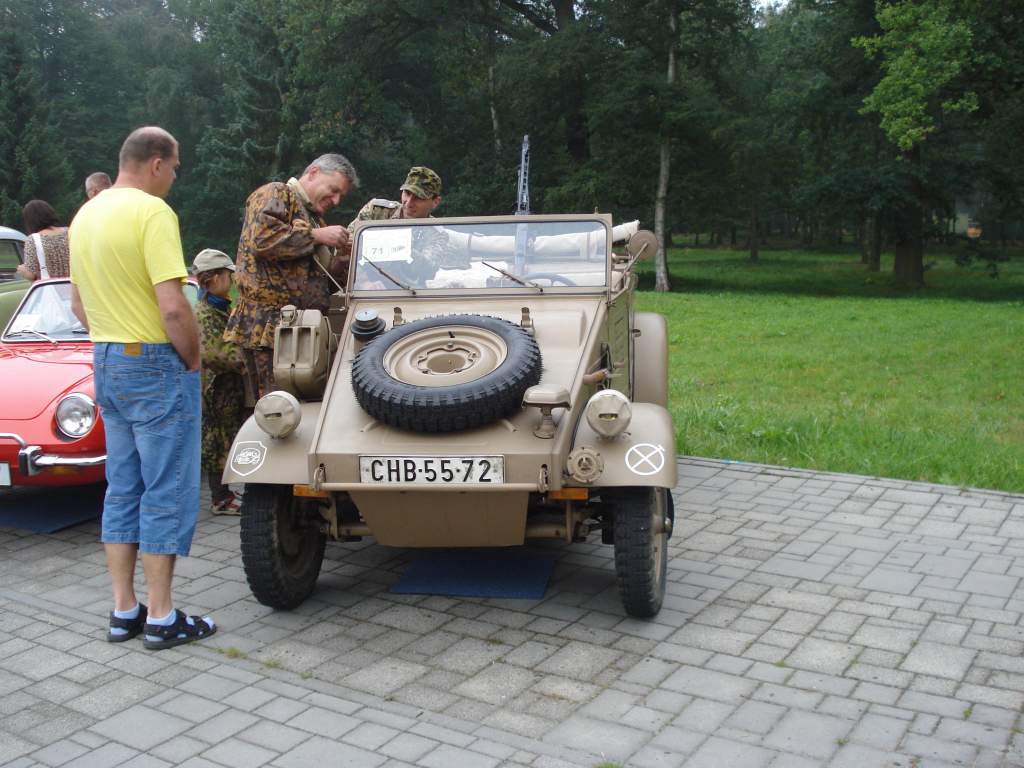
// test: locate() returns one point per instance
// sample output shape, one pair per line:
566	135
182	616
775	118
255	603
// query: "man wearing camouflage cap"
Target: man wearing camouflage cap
421	194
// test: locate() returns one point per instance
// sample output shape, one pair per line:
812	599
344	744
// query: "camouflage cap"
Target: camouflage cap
210	258
422	182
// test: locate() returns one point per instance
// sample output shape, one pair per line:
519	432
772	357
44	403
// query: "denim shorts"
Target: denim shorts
151	413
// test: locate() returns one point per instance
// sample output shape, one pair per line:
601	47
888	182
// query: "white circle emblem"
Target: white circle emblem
645	459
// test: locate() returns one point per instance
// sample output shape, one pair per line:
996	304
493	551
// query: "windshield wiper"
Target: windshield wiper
37	333
399	283
79	330
510	276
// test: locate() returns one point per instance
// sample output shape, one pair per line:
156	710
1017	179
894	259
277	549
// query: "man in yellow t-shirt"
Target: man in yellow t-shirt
127	270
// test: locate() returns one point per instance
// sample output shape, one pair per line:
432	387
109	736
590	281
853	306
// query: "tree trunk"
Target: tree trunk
662	281
753	237
873	233
908	245
495	125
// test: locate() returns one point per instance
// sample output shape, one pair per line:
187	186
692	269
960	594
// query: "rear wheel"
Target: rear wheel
643	523
282	545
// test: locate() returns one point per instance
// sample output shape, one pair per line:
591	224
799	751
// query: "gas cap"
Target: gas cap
368	325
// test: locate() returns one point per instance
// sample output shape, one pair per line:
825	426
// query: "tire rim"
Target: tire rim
294	536
445	356
659	538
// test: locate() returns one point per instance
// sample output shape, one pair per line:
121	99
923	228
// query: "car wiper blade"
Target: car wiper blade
80	330
392	278
510	276
34	333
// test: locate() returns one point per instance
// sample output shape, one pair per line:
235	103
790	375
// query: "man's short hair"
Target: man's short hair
335	163
143	144
98	180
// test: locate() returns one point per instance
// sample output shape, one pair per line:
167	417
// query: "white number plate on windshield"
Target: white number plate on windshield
5	474
432	470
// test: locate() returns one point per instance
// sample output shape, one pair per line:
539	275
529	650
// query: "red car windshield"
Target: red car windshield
46	315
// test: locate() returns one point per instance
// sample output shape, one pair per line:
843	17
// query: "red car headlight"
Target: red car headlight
75	415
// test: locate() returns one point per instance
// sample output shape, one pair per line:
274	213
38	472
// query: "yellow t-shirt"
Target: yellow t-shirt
124	242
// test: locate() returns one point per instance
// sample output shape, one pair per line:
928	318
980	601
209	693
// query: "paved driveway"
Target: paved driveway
811	620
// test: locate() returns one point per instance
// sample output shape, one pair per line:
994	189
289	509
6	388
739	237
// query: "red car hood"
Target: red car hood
34	375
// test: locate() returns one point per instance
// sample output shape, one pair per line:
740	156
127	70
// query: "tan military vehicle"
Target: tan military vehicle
483	382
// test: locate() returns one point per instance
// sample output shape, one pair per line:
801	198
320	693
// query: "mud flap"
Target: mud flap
255	457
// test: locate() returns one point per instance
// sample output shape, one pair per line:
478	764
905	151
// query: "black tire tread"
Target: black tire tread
446	409
640	589
268	579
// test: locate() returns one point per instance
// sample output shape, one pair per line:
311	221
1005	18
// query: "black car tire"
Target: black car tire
282	545
491	386
642	526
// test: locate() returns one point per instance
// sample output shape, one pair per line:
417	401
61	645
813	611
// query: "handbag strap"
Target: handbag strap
44	273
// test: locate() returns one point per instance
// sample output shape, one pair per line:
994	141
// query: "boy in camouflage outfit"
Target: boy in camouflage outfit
224	395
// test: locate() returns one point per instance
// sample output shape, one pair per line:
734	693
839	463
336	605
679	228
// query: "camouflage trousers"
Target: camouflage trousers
224	412
259	369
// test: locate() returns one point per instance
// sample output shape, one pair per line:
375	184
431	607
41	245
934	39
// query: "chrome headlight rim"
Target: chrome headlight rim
77	398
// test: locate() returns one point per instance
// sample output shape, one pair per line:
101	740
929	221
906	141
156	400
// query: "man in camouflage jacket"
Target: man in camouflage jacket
284	251
421	194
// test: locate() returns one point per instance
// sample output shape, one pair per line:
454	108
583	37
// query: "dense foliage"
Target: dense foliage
809	120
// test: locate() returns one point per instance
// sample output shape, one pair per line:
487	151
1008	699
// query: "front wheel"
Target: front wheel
282	545
643	523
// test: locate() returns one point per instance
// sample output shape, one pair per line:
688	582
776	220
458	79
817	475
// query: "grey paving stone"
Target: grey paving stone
822	656
320	751
235	753
939	660
446	755
106	756
141	727
880	732
497	683
386	676
578	660
891	580
807	733
59	752
717	751
323	722
713	639
407	746
989	584
601	737
706	683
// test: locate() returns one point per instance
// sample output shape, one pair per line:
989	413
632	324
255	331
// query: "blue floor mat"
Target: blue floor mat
476	573
47	510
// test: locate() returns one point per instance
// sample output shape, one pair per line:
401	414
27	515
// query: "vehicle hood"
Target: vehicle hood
32	376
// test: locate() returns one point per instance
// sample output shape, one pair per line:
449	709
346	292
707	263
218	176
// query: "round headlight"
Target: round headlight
278	413
76	415
608	413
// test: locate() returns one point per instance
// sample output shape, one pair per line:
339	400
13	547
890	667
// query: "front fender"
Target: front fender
643	455
255	457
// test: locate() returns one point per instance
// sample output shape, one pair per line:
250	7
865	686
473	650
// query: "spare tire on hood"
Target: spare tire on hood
448	373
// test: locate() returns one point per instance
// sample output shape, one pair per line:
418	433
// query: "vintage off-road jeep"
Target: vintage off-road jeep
483	381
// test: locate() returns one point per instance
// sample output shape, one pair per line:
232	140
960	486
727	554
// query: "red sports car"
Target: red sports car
51	430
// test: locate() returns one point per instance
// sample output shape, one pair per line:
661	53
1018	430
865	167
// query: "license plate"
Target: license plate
5	474
432	470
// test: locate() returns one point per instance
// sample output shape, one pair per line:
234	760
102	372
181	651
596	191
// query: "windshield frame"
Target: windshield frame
601	219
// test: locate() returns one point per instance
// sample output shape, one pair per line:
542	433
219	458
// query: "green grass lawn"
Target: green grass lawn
807	361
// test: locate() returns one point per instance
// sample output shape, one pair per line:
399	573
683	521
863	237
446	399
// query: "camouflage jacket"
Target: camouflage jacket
377	209
276	265
222	361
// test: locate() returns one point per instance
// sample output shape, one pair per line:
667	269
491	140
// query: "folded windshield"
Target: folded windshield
530	256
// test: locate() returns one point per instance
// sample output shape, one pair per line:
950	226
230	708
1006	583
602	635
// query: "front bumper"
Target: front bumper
32	460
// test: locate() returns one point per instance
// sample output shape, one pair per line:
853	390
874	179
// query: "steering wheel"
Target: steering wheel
553	277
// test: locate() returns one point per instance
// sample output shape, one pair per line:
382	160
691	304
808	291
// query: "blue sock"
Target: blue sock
131	613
